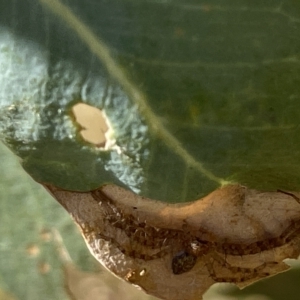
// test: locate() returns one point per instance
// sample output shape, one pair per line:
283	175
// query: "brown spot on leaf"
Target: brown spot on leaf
32	250
43	268
46	235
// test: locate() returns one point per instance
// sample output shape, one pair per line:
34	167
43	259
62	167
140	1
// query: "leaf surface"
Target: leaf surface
177	251
199	94
30	267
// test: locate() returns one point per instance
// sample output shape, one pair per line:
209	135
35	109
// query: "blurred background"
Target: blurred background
43	256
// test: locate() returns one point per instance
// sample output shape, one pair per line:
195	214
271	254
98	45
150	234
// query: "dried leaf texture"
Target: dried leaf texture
177	251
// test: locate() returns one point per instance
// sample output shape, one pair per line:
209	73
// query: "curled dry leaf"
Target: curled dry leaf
177	251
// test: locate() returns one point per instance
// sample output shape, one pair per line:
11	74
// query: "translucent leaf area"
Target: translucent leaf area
199	93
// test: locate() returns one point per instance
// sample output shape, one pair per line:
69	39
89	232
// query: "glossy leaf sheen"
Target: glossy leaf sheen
213	84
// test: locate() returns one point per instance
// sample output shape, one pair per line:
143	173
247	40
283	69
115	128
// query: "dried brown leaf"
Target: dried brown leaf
101	285
177	251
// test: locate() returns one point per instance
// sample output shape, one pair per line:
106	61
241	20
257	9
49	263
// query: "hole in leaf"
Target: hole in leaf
95	127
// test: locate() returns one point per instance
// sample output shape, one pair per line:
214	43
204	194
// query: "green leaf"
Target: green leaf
30	267
199	94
